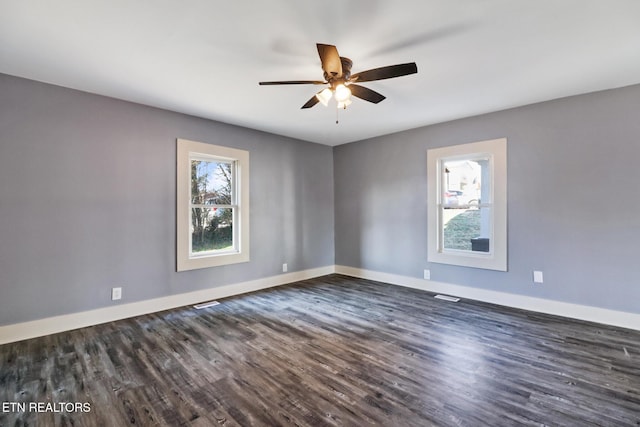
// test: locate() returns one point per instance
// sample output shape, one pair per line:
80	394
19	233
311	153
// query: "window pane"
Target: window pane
464	181
211	229
465	223
211	182
462	229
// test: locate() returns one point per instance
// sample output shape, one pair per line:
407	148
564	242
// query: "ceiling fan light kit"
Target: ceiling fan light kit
324	96
337	74
342	93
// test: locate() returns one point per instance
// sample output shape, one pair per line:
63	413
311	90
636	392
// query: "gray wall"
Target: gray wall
87	201
573	200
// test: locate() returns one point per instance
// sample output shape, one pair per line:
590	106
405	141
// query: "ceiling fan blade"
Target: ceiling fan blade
388	72
294	82
366	93
310	103
330	59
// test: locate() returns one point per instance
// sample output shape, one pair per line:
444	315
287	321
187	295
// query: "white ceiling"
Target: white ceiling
205	57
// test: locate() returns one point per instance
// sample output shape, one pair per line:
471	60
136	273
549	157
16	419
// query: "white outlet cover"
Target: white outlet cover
116	294
538	277
285	268
427	274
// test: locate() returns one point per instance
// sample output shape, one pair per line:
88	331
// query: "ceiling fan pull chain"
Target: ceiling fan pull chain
337	111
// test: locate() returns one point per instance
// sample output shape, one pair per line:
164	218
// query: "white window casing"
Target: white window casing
238	204
492	209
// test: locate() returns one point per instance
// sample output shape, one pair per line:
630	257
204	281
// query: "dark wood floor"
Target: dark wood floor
333	351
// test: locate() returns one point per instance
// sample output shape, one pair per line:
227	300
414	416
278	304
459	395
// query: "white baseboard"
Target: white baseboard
52	325
575	311
67	322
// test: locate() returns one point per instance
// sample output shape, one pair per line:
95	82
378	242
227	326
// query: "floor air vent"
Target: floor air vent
447	298
206	305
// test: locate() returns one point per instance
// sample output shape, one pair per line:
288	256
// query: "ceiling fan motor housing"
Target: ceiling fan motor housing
346	68
334	79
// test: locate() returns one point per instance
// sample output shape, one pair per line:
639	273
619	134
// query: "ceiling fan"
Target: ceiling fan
342	84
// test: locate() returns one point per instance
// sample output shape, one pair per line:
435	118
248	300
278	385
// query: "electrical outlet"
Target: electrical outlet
427	275
116	294
537	277
285	268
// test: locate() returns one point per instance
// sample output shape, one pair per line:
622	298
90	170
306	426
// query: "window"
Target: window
467	210
212	205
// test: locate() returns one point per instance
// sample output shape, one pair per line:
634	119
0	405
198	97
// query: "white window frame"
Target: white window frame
496	151
192	150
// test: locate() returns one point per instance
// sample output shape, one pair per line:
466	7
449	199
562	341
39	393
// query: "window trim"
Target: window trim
496	258
186	150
